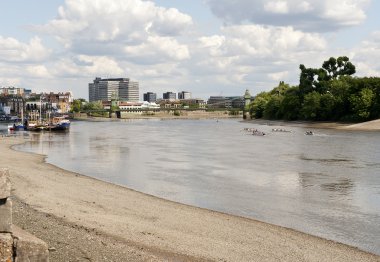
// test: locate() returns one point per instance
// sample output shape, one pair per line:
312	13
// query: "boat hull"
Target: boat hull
60	127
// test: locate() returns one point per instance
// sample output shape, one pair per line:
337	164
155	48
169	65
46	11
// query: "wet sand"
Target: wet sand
80	215
365	126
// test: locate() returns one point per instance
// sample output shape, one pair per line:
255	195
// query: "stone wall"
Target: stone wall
16	244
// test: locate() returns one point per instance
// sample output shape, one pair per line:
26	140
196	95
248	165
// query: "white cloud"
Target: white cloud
87	66
105	27
366	56
12	50
38	71
277	7
259	41
157	49
324	15
255	56
278	76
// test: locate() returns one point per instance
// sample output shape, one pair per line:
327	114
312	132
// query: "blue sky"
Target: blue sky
207	47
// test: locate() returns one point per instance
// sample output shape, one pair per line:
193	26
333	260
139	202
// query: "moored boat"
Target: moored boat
16	127
59	124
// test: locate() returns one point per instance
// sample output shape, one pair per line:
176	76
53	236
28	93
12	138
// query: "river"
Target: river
326	185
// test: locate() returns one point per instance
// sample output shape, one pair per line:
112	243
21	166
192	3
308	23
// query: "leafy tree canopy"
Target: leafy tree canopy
326	93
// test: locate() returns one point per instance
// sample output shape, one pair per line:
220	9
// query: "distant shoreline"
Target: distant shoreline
192	115
364	126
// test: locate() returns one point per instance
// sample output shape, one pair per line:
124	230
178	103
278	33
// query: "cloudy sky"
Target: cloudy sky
207	47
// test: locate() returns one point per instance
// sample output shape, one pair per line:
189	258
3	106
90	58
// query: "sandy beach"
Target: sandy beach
83	219
365	126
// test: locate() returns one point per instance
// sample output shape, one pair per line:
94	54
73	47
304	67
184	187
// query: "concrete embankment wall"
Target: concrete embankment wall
16	244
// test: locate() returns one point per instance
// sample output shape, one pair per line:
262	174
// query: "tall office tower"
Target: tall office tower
133	91
113	88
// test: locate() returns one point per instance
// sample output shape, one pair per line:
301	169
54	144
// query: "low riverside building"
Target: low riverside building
226	102
236	101
218	102
132	107
50	102
59	102
170	104
194	103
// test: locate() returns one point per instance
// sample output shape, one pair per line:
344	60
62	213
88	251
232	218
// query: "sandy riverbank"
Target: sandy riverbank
88	220
365	126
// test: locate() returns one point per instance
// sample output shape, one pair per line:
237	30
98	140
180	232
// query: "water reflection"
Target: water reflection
343	186
327	184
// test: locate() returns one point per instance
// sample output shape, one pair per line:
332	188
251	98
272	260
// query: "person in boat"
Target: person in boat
309	132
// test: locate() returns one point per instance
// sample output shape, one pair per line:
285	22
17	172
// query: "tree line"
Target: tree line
329	93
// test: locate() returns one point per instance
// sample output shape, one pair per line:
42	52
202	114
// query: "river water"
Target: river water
327	184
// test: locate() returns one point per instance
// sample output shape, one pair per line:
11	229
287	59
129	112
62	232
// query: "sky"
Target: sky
207	47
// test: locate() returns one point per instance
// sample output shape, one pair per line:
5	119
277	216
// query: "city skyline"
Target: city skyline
206	47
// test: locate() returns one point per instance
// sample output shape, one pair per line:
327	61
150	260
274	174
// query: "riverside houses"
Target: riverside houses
15	103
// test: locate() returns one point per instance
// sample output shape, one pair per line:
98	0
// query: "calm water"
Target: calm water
327	184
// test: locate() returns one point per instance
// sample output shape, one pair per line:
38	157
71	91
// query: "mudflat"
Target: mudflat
84	219
373	125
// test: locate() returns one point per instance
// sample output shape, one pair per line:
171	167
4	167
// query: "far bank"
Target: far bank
365	126
163	114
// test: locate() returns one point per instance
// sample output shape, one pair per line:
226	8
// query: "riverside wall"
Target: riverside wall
16	244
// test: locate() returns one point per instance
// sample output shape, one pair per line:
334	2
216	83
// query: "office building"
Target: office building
113	89
150	97
184	95
169	96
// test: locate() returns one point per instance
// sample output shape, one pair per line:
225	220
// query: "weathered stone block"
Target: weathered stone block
5	215
5	184
29	248
6	247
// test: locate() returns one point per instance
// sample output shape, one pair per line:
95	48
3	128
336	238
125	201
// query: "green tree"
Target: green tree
272	109
311	106
77	104
362	103
317	79
93	106
338	67
327	109
258	105
291	104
